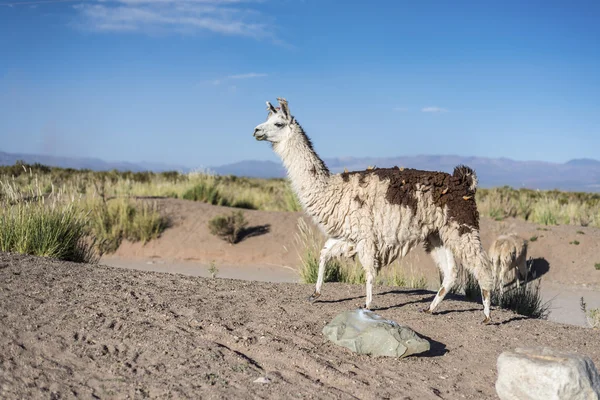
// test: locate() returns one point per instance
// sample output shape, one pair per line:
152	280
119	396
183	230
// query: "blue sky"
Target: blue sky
185	81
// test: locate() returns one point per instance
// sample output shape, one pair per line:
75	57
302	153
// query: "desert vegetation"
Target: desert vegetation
69	220
525	299
542	207
228	227
592	315
550	207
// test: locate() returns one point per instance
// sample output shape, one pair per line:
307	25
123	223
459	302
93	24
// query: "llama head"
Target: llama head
278	125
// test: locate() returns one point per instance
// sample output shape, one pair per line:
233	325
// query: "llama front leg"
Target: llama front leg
370	265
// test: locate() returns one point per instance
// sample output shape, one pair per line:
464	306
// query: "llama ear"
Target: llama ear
270	108
284	106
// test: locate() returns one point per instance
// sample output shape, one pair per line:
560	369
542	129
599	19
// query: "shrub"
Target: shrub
205	193
119	219
57	230
592	316
597	266
228	227
524	300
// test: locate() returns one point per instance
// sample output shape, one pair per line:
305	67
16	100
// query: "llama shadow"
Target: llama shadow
513	319
253	231
537	267
410	292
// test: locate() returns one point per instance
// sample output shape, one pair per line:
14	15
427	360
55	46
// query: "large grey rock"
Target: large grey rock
546	374
365	332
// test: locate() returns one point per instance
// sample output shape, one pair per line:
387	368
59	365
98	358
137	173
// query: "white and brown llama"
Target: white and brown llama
380	214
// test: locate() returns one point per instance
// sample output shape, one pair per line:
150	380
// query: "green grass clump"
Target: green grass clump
49	230
592	315
575	242
597	266
206	194
524	300
228	227
115	220
533	238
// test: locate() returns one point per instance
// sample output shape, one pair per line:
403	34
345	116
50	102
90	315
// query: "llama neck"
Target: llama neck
307	172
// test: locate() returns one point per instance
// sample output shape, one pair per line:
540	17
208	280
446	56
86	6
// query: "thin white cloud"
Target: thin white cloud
433	109
225	17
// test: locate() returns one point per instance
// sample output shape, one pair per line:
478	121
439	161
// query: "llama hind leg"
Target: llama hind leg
447	265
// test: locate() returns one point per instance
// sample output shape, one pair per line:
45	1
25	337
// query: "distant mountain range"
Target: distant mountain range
94	164
574	175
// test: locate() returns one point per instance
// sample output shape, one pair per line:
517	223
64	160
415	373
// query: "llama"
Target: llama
380	214
508	253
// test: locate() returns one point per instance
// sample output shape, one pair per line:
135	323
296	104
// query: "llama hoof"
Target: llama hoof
314	297
487	320
426	311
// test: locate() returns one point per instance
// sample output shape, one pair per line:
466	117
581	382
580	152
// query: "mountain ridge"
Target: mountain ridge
580	174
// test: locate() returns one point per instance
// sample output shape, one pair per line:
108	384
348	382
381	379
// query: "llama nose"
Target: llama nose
256	130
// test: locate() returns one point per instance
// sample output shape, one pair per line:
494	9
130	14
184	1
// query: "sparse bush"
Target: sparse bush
205	193
228	227
533	238
213	270
57	230
575	242
592	316
119	219
597	266
524	300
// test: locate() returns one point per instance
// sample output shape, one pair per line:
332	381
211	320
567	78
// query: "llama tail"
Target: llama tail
467	176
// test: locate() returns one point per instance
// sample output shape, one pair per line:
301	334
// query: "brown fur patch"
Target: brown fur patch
313	170
430	240
442	291
445	189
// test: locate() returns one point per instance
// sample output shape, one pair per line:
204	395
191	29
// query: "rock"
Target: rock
365	332
544	373
262	379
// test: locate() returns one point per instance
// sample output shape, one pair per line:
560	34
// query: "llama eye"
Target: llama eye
279	124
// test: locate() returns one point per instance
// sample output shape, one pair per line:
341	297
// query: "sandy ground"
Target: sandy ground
72	330
564	300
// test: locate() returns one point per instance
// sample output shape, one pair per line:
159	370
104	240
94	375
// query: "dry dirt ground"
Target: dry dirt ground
74	330
272	244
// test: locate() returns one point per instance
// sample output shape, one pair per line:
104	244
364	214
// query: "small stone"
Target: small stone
545	373
365	332
262	379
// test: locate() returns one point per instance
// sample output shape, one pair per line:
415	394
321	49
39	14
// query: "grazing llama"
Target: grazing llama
380	214
508	254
